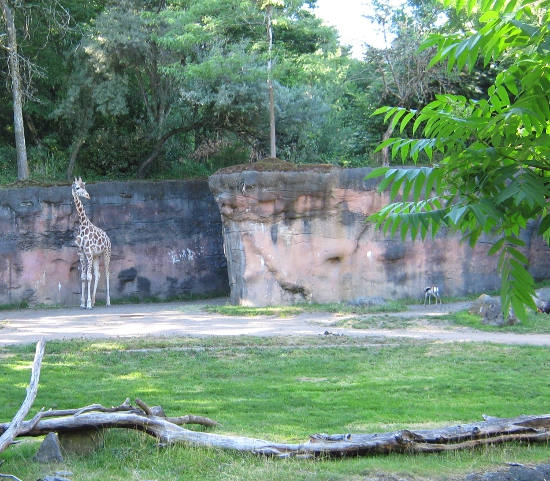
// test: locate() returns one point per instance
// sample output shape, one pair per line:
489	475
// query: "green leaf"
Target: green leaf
405	150
419	185
381	110
388	178
519	256
407	189
398	180
457	213
377	172
406	120
496	246
490	15
433	179
544	225
518	307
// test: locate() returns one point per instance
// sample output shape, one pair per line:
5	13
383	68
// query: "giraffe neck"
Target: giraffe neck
80	209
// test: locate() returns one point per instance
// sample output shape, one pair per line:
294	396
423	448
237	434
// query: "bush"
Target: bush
8	164
47	162
111	153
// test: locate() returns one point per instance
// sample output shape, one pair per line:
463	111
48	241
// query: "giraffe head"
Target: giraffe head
79	188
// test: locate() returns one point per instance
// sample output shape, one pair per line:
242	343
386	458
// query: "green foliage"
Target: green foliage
492	174
47	162
125	152
8	165
194	70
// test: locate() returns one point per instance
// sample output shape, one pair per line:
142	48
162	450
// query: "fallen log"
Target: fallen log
169	431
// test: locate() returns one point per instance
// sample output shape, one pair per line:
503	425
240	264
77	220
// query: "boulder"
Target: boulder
49	450
56	477
85	441
490	310
542	296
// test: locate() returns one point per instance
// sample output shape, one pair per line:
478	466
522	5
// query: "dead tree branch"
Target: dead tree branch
169	431
96	415
14	428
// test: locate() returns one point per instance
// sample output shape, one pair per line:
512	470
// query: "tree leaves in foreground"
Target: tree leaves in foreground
491	155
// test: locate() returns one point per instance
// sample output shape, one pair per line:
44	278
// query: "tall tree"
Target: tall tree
37	34
494	173
268	6
14	69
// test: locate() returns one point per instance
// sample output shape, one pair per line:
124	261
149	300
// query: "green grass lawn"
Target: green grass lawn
282	390
535	323
289	311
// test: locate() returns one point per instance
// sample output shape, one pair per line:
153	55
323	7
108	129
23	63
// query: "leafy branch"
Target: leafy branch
493	176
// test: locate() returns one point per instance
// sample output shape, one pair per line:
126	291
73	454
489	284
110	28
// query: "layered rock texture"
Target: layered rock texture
166	241
299	233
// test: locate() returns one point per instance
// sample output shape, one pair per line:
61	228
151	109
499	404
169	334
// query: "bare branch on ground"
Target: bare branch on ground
14	428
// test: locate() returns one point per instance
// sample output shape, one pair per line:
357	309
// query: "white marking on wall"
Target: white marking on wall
287	234
183	255
369	256
40	281
262	260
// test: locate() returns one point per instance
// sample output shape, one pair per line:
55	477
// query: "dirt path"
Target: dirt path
188	319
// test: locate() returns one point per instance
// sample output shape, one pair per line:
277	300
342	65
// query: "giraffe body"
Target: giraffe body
92	243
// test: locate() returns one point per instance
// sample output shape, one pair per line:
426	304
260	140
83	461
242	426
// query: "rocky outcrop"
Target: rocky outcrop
490	310
299	233
166	241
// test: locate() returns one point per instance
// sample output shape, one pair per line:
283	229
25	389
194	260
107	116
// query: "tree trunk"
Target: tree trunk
32	129
272	138
386	150
17	93
146	163
77	146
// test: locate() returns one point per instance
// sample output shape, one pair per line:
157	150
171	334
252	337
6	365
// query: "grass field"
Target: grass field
281	390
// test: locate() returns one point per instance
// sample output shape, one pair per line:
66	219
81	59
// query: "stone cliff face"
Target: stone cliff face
166	241
296	233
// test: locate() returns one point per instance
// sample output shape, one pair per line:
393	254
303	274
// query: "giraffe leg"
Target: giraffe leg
97	275
107	261
90	260
82	277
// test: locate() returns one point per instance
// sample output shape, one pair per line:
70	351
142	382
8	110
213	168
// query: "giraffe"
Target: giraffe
92	243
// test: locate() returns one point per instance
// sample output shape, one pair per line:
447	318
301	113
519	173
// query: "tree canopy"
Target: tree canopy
148	88
491	155
177	78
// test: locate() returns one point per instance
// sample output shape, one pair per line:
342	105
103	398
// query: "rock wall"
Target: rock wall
166	241
298	233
